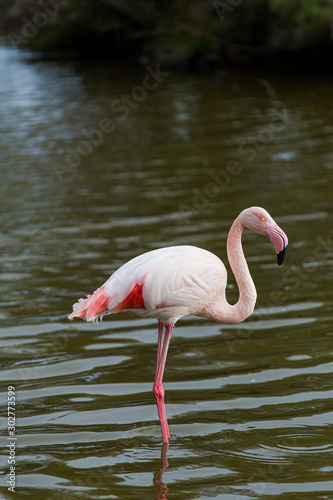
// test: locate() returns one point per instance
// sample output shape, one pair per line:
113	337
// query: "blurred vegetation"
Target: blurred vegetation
175	32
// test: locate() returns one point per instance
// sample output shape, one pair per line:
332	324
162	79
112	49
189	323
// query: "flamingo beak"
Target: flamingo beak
278	238
281	254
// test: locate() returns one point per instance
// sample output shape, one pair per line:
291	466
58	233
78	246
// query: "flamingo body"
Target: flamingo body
169	283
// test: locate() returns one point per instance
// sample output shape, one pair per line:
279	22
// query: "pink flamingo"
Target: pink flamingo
169	283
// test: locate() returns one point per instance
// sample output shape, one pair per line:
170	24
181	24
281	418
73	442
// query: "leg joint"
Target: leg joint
158	392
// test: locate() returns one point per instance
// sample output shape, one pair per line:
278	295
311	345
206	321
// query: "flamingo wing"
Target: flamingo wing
166	283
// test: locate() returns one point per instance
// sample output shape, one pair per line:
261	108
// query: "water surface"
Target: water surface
249	406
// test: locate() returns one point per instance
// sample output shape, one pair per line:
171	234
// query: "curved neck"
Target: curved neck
223	311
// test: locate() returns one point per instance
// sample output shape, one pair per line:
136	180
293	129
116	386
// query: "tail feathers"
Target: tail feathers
93	307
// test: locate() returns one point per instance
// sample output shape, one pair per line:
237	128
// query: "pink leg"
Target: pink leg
158	391
160	343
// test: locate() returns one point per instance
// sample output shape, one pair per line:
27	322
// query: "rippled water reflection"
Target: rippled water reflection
249	405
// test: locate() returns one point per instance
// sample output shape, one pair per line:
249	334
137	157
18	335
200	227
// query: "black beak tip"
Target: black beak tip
280	255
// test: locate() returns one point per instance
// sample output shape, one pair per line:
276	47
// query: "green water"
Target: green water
102	162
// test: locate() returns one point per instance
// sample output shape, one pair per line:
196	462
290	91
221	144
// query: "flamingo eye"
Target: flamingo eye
263	219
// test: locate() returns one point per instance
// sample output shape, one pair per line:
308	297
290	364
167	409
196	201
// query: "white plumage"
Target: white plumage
174	281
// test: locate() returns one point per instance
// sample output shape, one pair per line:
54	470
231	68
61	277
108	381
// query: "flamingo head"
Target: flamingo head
258	220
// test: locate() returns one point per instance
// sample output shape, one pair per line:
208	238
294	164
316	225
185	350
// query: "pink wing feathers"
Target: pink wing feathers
181	278
92	306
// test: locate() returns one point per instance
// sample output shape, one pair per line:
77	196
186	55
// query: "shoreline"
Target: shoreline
202	36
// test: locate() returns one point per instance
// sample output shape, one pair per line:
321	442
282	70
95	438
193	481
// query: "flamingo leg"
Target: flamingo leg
158	391
161	327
